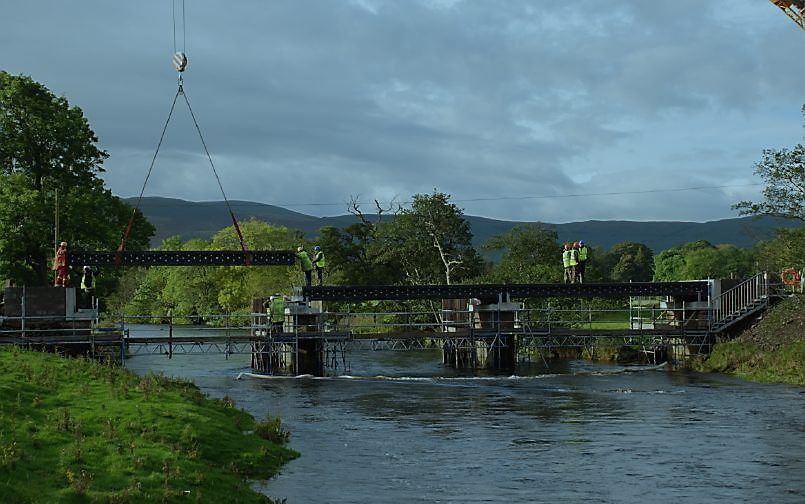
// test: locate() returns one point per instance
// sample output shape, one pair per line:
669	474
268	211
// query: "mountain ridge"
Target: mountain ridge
189	219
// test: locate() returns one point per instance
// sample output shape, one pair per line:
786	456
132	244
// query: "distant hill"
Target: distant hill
188	219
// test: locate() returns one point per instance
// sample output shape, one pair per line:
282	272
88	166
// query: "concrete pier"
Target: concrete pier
299	348
307	319
491	342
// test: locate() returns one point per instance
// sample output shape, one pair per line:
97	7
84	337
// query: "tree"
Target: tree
216	289
784	251
783	172
700	259
352	252
47	148
431	242
635	262
670	264
530	255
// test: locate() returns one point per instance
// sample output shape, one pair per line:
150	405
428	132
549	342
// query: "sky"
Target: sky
526	110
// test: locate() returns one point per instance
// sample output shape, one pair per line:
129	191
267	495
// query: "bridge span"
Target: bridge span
695	290
473	326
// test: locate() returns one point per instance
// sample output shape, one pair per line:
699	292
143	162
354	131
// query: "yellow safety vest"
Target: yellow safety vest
277	310
318	259
566	258
583	254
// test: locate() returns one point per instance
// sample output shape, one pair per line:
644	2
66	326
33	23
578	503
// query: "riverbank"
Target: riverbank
773	351
73	430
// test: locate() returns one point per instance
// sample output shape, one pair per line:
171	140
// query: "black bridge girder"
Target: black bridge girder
609	290
493	292
183	258
401	292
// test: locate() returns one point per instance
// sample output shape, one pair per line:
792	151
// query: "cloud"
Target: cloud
309	102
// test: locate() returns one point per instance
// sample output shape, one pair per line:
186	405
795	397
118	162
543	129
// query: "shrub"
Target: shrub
272	430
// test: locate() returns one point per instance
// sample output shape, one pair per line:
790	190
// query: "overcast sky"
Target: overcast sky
510	106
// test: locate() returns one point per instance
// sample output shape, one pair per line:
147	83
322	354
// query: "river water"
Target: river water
404	429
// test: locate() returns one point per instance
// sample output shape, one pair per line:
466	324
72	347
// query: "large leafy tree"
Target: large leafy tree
784	251
530	254
783	172
431	242
215	289
47	152
700	259
353	252
631	262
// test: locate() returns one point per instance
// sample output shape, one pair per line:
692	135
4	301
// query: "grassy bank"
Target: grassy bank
773	351
72	430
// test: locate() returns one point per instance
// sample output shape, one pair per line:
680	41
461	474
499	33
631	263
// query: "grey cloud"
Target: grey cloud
310	101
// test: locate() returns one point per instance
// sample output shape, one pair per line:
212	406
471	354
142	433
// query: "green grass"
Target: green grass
608	320
73	430
746	360
772	352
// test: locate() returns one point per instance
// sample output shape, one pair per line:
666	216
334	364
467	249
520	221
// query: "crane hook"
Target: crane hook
180	61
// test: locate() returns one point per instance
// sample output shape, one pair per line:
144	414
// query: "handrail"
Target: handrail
730	304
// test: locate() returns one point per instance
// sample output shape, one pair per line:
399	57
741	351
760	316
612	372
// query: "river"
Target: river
404	429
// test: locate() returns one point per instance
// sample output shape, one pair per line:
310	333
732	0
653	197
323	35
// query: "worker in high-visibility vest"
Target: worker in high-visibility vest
574	261
566	256
319	263
87	286
306	264
583	251
276	312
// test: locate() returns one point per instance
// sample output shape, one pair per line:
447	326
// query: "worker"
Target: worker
582	261
277	312
319	263
574	261
306	265
566	262
61	266
87	286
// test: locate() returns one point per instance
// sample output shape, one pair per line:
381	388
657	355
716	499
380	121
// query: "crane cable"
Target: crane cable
180	61
122	245
243	247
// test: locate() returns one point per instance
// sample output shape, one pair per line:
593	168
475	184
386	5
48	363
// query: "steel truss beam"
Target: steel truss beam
190	348
567	340
184	258
697	290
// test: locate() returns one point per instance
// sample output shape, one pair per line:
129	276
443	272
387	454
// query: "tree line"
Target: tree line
429	242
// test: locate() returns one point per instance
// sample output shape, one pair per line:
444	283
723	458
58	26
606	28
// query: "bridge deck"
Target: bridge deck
184	258
694	290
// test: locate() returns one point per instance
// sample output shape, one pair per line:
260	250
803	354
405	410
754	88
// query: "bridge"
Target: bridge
475	326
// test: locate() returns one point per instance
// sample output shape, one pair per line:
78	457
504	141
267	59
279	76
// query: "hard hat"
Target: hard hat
316	248
86	268
277	294
271	298
300	248
63	244
581	242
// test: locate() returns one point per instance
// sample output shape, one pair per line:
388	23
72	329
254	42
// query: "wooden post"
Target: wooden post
122	336
22	313
170	333
228	342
